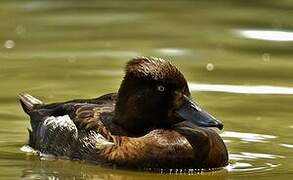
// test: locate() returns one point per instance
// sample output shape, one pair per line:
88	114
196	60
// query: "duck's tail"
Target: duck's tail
28	102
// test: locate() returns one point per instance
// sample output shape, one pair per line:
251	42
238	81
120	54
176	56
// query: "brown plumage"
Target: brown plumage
150	123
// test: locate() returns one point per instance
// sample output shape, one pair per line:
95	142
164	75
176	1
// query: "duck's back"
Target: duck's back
69	129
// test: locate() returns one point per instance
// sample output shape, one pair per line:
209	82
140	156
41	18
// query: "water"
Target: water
236	55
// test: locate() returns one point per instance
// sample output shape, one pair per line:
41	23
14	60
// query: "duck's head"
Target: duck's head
154	95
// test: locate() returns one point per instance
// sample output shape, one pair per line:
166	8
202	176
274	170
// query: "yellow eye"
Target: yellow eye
161	88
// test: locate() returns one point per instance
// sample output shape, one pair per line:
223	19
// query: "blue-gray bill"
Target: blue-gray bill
190	112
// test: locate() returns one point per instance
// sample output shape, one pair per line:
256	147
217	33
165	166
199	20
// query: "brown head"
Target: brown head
154	95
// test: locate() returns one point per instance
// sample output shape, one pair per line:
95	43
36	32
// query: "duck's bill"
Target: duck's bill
190	112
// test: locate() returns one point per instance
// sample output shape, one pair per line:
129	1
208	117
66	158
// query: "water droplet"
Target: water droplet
72	59
210	67
9	44
20	29
258	118
266	57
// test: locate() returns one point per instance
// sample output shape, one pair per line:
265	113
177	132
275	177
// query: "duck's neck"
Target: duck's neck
131	116
128	126
116	129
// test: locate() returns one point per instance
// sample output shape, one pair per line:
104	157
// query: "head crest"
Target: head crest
152	68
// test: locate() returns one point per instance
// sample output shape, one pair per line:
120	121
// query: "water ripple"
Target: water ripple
173	51
246	168
267	35
287	145
252	155
242	89
71	55
251	165
250	137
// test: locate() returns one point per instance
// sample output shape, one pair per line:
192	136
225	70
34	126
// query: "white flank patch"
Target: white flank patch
63	123
59	120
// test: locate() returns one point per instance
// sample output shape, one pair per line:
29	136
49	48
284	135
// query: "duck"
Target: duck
150	123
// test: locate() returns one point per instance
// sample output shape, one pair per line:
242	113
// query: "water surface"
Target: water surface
236	55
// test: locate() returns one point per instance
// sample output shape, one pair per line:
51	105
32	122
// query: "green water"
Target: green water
59	50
